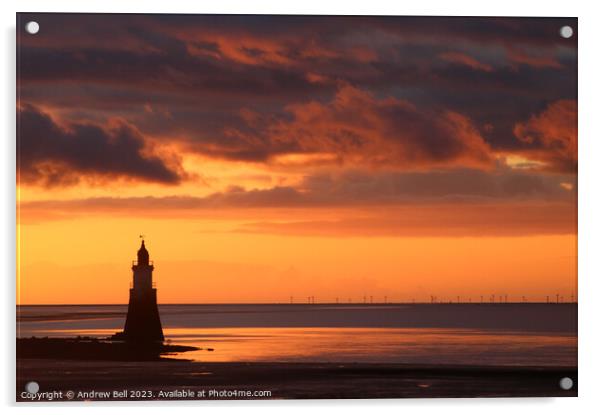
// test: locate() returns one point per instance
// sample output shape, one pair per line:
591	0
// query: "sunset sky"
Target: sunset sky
267	157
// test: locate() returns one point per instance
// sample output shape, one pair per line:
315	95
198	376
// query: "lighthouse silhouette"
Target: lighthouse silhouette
143	323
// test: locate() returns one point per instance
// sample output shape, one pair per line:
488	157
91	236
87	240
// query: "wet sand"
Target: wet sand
417	340
194	380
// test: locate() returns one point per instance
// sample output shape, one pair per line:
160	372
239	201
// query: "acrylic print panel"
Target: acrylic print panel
283	207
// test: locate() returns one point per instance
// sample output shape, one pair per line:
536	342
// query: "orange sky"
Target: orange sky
268	255
269	157
82	261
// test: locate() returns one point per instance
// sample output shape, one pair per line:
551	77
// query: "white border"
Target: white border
590	206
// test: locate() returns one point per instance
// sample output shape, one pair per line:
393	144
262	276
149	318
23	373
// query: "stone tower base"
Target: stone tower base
143	323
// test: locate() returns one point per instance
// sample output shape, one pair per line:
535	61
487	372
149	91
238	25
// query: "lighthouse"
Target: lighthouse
143	323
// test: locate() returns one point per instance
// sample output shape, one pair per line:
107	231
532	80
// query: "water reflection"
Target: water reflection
459	334
420	346
368	345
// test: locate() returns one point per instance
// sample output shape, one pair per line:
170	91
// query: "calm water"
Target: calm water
473	334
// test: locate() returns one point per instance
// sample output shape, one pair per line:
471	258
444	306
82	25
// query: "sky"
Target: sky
276	158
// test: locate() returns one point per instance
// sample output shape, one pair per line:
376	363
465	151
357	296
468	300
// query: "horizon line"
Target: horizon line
316	303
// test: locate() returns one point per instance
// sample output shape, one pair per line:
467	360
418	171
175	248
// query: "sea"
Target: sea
464	334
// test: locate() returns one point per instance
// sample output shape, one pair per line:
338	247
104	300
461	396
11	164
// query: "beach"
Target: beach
167	380
284	351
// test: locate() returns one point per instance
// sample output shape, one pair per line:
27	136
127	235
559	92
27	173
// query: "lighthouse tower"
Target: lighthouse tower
143	323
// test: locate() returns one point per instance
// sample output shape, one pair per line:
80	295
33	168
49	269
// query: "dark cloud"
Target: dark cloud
350	189
465	60
429	91
541	31
173	69
237	52
437	186
552	135
355	127
54	154
465	204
